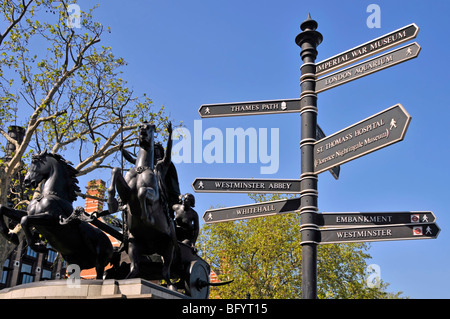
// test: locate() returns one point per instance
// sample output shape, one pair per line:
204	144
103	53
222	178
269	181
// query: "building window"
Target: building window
31	252
51	256
4	278
26	273
46	274
5	273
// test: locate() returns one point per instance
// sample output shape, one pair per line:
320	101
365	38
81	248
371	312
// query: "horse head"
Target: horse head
48	166
146	135
39	170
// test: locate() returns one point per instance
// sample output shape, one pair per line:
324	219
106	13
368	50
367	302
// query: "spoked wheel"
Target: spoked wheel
197	282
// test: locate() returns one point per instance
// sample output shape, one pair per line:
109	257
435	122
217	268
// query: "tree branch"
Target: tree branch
15	21
9	138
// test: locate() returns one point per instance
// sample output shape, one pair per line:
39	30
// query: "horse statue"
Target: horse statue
149	227
78	242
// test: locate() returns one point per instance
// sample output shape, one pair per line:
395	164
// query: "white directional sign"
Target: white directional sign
379	233
369	135
367	49
250	108
241	185
252	210
360	70
374	218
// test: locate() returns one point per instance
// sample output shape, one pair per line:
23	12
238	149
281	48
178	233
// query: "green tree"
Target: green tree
263	256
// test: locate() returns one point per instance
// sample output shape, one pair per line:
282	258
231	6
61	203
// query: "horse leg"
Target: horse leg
119	183
15	215
168	257
100	269
97	246
134	254
146	195
36	220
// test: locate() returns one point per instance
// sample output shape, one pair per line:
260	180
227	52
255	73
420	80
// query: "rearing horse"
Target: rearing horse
149	227
79	243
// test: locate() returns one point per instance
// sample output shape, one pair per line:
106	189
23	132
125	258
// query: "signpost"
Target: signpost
379	233
367	49
376	64
238	185
308	40
366	136
374	218
253	210
320	153
250	108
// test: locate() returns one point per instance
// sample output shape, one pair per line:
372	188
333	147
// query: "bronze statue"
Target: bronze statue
186	220
166	173
149	229
78	242
149	193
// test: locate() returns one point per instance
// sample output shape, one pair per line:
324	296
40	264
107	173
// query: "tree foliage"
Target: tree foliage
264	255
65	88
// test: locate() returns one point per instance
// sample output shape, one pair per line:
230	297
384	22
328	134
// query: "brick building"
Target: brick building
96	188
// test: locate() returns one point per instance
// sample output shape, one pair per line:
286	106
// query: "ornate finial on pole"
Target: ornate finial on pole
309	24
309	27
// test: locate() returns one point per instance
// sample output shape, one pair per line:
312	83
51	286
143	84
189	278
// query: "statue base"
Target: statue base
136	288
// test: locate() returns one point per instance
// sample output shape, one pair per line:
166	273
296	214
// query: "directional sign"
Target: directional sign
250	108
334	170
378	63
374	218
379	233
367	49
238	185
251	211
371	134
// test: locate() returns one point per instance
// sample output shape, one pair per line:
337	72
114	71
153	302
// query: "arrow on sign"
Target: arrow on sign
372	218
379	233
369	135
238	185
250	211
365	50
250	108
360	70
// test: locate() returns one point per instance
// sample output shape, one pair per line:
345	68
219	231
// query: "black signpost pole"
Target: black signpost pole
308	40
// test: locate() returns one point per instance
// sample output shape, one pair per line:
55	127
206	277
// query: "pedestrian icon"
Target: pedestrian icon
393	124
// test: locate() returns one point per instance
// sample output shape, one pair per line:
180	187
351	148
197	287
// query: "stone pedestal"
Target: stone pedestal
91	289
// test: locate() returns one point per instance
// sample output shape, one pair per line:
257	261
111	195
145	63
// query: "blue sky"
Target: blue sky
187	53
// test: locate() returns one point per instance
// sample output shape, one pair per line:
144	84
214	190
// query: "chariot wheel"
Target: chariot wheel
197	283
